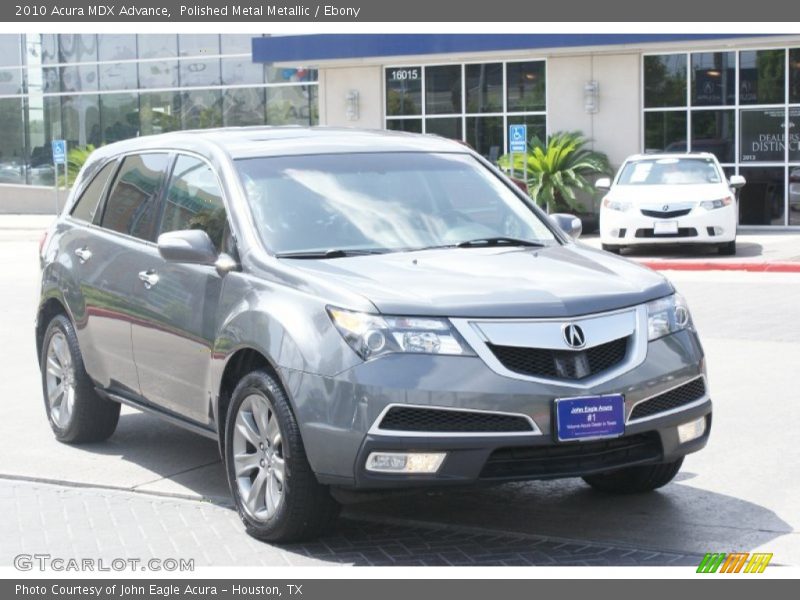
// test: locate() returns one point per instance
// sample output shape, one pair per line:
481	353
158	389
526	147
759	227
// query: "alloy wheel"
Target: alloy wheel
60	380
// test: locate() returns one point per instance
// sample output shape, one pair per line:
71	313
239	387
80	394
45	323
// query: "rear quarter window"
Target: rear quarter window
86	207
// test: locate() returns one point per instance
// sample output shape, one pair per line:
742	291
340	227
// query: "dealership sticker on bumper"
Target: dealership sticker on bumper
591	417
665	227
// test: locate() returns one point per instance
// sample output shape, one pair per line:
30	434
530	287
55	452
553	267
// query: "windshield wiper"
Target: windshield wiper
498	241
332	253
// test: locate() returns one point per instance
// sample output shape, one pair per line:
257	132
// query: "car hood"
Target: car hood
557	281
644	195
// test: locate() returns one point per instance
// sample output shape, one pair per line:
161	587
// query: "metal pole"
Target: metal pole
55	165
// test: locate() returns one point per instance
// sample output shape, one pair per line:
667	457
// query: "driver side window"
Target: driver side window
194	201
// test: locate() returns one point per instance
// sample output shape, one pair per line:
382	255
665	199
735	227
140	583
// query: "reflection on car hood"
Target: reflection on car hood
558	281
665	194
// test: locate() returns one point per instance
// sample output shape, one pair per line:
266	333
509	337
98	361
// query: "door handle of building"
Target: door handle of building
150	278
83	254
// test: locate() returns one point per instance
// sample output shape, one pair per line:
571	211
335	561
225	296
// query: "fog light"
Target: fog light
691	430
405	462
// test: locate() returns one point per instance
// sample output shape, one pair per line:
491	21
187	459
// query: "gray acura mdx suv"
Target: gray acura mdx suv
357	310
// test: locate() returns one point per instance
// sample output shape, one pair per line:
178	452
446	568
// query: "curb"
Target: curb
708	265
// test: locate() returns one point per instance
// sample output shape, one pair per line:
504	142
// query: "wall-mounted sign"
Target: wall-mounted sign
763	135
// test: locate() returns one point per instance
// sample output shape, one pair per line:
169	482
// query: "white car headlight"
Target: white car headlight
373	335
667	315
712	204
616	204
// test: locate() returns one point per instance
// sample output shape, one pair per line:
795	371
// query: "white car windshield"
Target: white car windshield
670	171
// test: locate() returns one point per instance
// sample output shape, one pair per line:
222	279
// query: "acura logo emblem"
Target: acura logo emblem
574	336
665	208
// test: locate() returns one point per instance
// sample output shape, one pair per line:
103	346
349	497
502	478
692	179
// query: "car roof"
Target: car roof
242	142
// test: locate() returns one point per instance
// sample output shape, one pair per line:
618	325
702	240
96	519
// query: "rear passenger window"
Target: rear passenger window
194	200
132	205
86	206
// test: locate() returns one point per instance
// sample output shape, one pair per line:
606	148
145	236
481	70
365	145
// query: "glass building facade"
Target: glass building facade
743	106
96	89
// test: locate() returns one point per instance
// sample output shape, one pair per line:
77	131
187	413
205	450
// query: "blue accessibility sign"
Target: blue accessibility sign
517	138
59	152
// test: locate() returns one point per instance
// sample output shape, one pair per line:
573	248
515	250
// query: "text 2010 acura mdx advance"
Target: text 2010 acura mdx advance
357	310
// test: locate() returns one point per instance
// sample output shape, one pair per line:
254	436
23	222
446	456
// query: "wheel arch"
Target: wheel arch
47	310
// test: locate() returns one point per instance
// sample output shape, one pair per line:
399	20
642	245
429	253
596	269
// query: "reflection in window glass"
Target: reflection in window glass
794	75
239	71
131	205
449	127
484	87
243	106
714	131
443	90
118	76
237	43
199	72
12	142
10	50
119	116
409	125
80	120
198	44
762	77
49	48
10	81
761	135
665	131
485	135
526	86
201	109
794	134
403	91
159	112
86	206
77	47
761	201
116	47
158	74
290	75
292	105
665	80
51	80
794	195
157	45
713	78
79	79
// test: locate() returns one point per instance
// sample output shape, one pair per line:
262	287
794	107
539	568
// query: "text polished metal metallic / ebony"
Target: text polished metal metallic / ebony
357	310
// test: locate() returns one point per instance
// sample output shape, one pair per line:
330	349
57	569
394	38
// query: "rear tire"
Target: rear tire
274	489
635	480
728	249
612	249
76	412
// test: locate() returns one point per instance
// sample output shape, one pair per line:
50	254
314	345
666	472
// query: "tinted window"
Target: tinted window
131	206
670	171
194	200
86	207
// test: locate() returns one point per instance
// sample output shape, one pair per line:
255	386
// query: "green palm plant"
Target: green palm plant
558	168
76	157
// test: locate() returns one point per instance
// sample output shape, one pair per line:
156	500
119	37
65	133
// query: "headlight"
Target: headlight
616	204
712	204
667	315
373	335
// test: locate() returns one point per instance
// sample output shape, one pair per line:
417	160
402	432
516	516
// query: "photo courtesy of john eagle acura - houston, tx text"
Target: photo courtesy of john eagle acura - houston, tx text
348	310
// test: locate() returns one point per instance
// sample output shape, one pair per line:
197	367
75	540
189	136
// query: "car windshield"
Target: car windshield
669	171
384	202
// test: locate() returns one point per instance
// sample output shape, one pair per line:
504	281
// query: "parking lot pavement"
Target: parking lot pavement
73	522
740	493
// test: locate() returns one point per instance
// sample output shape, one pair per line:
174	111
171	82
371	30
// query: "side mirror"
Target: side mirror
604	183
737	182
569	224
187	246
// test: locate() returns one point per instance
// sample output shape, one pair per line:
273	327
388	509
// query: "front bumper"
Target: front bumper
338	415
700	226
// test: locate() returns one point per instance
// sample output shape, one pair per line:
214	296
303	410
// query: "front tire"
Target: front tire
77	414
274	489
612	249
728	249
635	480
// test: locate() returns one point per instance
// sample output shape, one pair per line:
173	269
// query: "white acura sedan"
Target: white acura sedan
668	199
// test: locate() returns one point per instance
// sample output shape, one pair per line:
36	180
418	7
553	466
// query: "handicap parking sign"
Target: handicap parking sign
517	138
59	152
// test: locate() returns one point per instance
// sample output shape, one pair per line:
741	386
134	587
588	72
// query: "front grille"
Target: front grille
572	459
666	214
674	398
682	232
561	364
404	418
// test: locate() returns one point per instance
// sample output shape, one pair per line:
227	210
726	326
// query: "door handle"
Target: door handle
150	278
83	254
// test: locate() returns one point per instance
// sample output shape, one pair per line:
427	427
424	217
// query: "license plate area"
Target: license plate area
590	417
665	228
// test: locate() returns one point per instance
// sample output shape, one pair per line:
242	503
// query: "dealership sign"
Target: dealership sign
763	135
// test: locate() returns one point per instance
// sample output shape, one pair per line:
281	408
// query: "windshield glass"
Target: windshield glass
670	171
388	201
